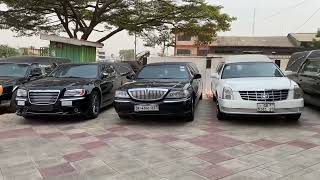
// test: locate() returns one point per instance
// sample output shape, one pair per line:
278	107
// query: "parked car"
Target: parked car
16	71
307	75
161	89
71	89
254	85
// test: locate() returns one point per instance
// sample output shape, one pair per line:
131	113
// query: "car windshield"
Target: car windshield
255	69
164	72
13	70
76	71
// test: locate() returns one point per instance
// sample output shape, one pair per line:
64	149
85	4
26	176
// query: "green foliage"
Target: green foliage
6	51
80	18
126	54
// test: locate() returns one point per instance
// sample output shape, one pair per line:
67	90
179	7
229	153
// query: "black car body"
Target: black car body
16	71
307	75
69	90
171	89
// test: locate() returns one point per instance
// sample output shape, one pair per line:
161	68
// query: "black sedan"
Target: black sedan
69	90
16	71
171	89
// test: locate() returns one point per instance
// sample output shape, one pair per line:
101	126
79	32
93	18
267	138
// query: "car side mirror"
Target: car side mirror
197	76
215	76
35	72
130	76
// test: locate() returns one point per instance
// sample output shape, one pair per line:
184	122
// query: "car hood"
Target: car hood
258	84
58	83
164	84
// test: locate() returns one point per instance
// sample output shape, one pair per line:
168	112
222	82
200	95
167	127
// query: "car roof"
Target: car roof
34	59
169	63
246	58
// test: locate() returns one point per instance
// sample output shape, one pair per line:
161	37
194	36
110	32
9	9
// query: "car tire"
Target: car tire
123	116
94	106
13	104
190	115
293	117
220	115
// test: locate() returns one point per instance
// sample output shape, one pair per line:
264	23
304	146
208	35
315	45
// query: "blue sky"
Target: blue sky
273	18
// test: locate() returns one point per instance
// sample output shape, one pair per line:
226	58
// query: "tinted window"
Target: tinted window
121	69
164	72
312	68
13	70
245	70
77	71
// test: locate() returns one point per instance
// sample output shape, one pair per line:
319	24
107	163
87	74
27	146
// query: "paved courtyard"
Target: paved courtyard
159	149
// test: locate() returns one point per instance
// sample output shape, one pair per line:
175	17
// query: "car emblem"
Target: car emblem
264	96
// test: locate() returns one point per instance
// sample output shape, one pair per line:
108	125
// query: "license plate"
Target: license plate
150	107
66	103
266	107
21	103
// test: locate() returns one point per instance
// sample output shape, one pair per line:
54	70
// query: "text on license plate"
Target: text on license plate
150	107
266	107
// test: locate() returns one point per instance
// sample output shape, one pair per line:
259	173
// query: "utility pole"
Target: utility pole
254	22
135	46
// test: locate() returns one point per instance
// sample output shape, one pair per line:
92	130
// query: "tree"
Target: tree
161	37
6	51
80	18
126	54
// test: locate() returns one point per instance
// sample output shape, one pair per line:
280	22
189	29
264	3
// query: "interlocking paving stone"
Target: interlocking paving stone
108	148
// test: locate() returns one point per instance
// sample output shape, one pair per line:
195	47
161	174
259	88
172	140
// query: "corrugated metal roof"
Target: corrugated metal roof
304	37
271	41
65	40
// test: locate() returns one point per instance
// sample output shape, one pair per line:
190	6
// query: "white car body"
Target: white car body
250	94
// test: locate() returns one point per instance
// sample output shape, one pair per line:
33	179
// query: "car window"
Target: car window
13	70
123	69
164	72
245	70
76	71
108	71
311	68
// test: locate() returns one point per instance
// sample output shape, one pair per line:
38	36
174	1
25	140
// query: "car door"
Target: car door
196	83
309	78
109	83
215	80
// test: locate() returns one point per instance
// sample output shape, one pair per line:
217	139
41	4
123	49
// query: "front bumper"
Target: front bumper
242	107
176	107
72	106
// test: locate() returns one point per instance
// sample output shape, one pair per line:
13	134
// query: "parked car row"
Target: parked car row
242	85
84	89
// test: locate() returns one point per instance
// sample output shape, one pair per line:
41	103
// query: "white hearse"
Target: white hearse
254	85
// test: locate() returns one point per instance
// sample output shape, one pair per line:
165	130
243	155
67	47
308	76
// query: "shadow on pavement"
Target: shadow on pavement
154	121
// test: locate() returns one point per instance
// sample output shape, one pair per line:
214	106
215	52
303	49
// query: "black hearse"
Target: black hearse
15	71
71	89
170	89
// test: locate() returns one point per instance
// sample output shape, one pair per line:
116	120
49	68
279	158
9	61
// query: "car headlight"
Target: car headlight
178	94
122	94
75	93
297	92
22	93
227	93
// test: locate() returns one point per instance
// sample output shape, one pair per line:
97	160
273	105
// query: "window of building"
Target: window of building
184	38
183	52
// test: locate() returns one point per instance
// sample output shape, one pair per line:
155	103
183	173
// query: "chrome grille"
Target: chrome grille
43	97
148	94
269	95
